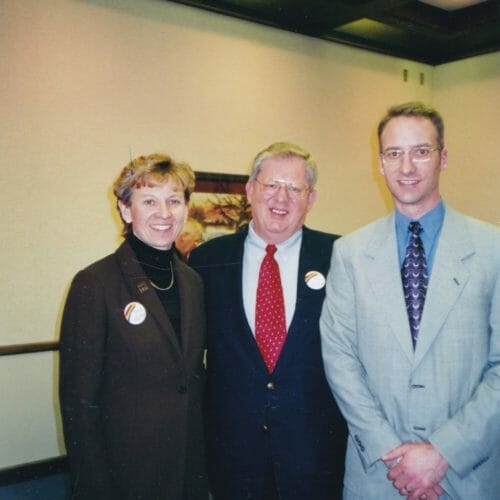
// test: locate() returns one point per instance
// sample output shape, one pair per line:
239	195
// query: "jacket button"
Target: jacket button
182	389
270	386
265	428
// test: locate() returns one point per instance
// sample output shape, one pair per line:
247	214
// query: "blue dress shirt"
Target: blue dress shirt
431	222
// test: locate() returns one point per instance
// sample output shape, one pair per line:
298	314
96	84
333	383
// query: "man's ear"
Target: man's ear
311	199
444	159
249	189
381	165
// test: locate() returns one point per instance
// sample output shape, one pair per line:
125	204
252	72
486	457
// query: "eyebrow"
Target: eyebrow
426	144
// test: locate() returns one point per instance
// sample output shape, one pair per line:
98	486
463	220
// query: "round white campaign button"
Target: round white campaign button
315	280
135	313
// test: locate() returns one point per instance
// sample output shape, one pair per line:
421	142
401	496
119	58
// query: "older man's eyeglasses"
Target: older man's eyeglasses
418	154
294	191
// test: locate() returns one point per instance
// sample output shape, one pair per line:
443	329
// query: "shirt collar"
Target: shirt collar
431	222
255	240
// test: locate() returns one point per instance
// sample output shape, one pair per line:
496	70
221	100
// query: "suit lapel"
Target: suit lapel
248	340
307	299
448	279
141	290
384	276
232	280
187	299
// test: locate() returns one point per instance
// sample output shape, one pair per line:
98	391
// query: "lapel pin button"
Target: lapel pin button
135	313
315	280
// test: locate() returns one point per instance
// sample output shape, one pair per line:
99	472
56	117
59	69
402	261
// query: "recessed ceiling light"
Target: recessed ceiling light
452	4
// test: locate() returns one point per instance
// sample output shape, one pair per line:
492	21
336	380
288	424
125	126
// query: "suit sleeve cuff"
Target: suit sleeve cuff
456	451
373	446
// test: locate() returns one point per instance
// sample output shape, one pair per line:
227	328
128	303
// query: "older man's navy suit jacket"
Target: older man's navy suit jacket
287	420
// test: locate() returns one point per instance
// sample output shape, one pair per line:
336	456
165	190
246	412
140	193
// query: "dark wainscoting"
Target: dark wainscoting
8	350
33	470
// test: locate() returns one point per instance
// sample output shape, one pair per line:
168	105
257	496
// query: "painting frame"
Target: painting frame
211	182
218	206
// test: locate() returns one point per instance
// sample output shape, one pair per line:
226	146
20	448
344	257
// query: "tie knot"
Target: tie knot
271	250
415	228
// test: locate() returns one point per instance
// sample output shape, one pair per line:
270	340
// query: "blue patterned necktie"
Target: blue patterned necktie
415	279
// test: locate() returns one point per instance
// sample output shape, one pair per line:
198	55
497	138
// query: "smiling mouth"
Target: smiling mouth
277	211
162	227
408	182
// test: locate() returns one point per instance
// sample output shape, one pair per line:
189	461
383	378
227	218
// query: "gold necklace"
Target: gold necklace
168	287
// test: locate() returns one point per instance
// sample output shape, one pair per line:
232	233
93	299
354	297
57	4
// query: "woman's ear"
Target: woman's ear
125	212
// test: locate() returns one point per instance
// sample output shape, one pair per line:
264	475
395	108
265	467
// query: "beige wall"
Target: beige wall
84	84
468	94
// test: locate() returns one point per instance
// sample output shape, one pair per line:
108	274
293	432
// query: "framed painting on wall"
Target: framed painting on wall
217	206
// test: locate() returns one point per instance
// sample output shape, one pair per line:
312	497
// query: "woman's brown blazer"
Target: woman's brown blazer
131	394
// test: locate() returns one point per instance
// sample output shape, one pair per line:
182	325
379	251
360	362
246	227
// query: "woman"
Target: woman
131	351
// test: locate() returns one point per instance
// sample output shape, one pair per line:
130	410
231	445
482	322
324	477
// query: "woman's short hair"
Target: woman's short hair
285	150
152	170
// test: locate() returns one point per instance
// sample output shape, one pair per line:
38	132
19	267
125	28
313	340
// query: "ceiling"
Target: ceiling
428	31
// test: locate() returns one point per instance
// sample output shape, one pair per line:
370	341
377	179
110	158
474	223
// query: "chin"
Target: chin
408	198
162	246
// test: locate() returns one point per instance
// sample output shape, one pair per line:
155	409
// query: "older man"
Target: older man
411	332
274	430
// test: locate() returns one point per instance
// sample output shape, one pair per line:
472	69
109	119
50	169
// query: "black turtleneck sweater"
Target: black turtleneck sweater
158	267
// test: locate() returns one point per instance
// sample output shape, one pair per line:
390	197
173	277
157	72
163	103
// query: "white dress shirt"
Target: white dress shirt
287	256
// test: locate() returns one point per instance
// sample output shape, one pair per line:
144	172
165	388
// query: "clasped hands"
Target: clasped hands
415	470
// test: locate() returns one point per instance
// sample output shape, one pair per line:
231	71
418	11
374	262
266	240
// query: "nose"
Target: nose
407	165
282	193
164	210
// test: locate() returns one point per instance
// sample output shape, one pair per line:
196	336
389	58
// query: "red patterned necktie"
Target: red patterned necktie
270	324
415	279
